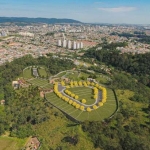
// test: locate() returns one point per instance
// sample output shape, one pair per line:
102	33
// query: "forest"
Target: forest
136	64
25	113
16	117
129	72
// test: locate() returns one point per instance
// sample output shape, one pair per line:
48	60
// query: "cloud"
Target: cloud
117	9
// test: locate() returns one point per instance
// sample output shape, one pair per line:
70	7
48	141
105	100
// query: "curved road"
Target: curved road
62	89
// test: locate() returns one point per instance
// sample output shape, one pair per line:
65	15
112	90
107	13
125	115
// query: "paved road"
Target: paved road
62	89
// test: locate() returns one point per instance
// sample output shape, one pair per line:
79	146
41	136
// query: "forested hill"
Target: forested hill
136	64
36	20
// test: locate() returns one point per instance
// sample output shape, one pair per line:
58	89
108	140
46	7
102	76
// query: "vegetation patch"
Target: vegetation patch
38	82
7	143
98	114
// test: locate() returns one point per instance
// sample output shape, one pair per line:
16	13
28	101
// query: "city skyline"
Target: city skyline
88	11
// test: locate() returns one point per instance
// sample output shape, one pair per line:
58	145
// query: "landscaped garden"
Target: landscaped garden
99	114
83	100
80	99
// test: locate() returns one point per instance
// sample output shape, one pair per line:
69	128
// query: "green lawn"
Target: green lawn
84	93
27	73
42	72
96	115
102	79
48	86
83	74
9	143
39	82
72	75
61	74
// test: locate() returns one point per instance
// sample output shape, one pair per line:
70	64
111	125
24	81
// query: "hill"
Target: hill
36	20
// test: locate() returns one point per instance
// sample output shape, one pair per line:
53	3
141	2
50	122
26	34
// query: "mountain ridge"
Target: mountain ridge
37	20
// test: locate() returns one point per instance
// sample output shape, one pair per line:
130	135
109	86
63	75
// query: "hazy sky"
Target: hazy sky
91	11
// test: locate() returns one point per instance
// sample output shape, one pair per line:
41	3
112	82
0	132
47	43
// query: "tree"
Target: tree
94	107
83	101
74	103
70	101
78	106
2	130
88	109
100	103
76	97
82	108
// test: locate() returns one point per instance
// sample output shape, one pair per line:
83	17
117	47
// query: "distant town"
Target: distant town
67	39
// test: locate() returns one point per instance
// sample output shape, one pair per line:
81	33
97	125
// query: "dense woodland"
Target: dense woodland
128	72
24	107
136	64
125	131
132	71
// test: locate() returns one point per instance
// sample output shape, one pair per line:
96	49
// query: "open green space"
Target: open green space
42	72
53	131
83	75
47	86
9	143
38	82
61	74
102	79
96	115
72	75
134	107
27	73
84	93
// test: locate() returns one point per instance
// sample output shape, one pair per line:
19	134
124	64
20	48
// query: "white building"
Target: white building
78	45
64	43
26	34
74	45
69	44
81	45
59	43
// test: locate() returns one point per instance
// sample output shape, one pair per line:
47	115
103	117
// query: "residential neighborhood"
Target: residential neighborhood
41	39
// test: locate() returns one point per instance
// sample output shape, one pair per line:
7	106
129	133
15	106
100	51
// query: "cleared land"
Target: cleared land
8	143
27	73
39	82
99	114
42	72
84	93
61	74
72	75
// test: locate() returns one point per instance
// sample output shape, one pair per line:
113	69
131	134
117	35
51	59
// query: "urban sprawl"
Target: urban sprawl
66	39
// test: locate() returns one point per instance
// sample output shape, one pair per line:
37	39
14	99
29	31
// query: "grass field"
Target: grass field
124	96
27	73
47	86
42	72
72	75
83	74
9	143
61	74
84	93
96	115
52	132
102	79
39	82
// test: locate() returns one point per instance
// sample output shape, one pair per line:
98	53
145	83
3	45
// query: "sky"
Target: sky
88	11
